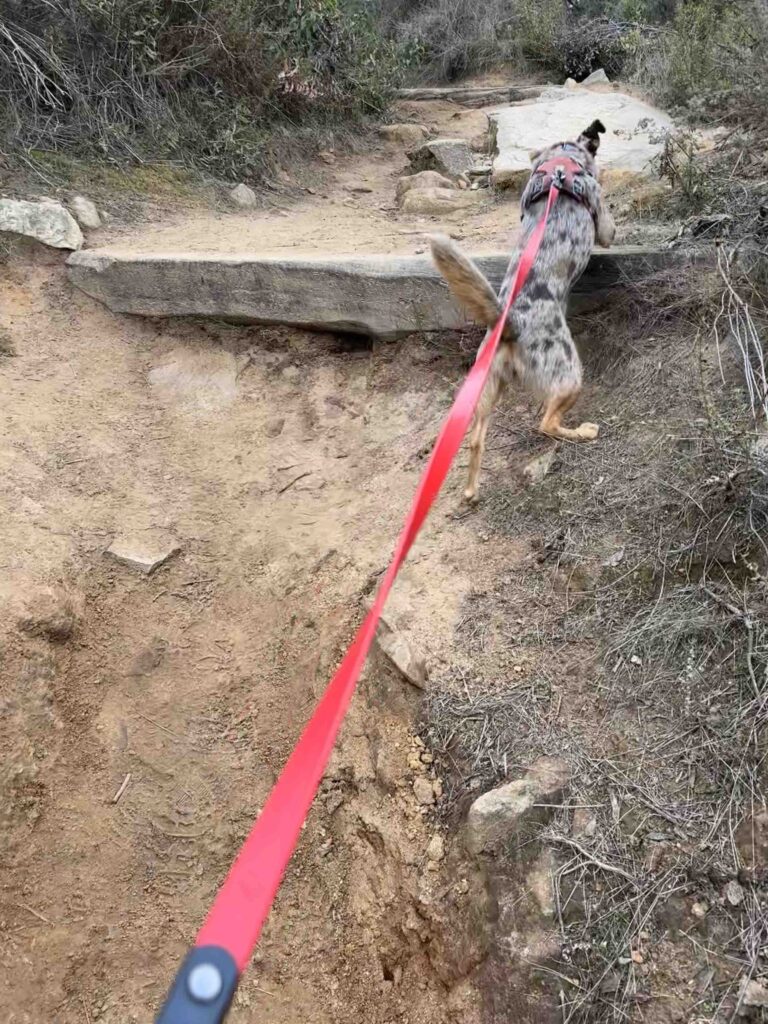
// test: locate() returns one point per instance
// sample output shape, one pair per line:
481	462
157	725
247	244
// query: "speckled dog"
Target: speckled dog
537	345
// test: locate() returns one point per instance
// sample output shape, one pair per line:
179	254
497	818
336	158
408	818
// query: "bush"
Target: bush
711	60
203	81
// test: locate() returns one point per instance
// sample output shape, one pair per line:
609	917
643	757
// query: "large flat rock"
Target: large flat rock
471	96
633	137
381	296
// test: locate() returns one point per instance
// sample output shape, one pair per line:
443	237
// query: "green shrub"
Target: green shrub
203	81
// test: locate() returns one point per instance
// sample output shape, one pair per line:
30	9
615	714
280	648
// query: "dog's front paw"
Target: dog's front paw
588	431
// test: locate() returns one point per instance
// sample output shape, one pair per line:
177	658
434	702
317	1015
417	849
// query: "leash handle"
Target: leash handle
206	981
203	988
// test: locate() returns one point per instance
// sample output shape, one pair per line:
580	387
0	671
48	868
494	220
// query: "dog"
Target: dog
536	345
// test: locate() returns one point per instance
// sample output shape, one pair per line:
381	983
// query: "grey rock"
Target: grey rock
243	197
48	223
752	994
451	157
274	426
537	468
85	213
396	648
598	77
50	613
500	819
423	791
734	894
424	179
146	551
385	297
472	96
435	201
404	134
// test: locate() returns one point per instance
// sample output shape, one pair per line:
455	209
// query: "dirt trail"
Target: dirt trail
338	217
281	464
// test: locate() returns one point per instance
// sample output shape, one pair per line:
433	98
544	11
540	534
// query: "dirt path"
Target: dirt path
281	464
351	208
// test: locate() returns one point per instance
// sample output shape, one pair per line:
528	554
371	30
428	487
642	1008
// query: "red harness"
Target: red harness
566	174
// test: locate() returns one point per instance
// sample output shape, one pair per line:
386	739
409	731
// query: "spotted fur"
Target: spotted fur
537	345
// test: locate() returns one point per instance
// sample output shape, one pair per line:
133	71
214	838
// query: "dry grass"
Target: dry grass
648	569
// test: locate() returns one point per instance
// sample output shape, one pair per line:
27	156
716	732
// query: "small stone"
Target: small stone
85	213
436	201
502	815
333	801
404	134
396	648
699	910
145	552
637	957
427	758
734	894
753	994
596	78
242	196
424	179
614	559
415	763
274	426
635	660
570	83
436	848
327	156
51	614
538	468
422	790
361	189
437	788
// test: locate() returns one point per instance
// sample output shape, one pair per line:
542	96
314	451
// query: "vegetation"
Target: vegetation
213	83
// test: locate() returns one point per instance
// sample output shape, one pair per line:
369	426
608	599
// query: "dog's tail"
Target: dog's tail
467	282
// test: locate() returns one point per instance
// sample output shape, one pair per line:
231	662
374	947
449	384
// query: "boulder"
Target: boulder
632	141
384	297
503	819
243	197
46	222
435	201
404	134
424	179
85	213
451	157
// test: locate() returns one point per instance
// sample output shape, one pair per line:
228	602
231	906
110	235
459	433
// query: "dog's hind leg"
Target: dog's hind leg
494	388
557	405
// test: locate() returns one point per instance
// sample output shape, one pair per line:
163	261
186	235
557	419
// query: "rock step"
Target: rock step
385	297
478	96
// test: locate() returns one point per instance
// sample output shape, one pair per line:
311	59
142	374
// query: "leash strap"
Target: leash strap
206	981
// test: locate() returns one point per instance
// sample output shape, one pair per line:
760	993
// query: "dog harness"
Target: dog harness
566	174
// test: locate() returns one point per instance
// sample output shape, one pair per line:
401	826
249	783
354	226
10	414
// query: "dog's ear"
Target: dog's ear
590	137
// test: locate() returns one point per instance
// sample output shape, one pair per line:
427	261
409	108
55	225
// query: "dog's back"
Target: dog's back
537	344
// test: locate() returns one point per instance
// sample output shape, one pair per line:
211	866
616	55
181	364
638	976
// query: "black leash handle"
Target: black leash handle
203	988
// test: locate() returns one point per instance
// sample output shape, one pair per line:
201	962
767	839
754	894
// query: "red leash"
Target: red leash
207	980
